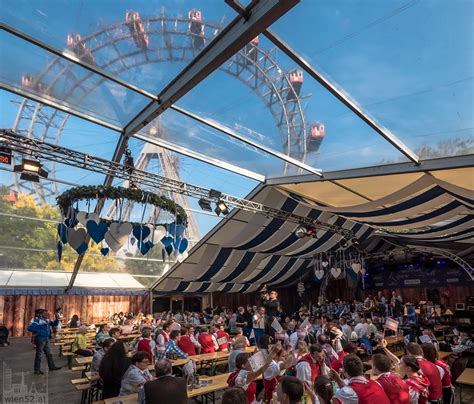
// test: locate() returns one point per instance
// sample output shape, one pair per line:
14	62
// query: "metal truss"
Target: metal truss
433	251
45	151
173	41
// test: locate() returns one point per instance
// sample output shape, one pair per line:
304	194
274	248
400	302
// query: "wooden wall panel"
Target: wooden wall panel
17	311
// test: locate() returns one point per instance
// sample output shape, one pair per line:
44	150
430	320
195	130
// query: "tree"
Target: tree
34	242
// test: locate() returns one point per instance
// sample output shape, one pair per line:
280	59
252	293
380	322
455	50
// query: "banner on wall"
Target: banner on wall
412	277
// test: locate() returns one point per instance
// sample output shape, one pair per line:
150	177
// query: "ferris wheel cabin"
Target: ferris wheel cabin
196	28
80	48
316	136
296	80
137	29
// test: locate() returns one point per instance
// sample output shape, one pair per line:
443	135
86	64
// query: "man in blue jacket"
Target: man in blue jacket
41	327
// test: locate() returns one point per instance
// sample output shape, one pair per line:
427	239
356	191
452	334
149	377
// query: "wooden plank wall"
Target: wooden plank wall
17	311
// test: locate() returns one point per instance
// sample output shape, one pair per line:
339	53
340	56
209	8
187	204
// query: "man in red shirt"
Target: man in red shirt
208	342
222	338
186	343
349	348
430	370
358	389
395	388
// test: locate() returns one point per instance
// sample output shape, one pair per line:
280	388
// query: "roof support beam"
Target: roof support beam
230	132
445	163
58	106
70	57
234	37
338	93
198	156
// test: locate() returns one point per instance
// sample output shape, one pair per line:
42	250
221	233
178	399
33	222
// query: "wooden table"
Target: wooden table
443	355
466	378
218	383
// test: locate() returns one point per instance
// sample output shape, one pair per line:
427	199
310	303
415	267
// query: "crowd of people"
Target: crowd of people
312	355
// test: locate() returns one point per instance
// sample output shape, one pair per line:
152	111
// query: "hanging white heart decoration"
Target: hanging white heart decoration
117	235
84	217
356	267
324	264
159	233
319	274
336	272
76	237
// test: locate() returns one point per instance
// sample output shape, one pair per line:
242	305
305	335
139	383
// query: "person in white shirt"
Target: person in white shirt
136	375
361	329
346	328
275	371
259	323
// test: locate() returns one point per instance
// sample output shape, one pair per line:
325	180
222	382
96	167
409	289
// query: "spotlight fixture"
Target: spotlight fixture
31	170
303	231
221	207
204	204
214	194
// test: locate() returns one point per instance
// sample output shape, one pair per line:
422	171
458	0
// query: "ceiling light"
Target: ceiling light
221	207
31	170
215	194
204	204
303	231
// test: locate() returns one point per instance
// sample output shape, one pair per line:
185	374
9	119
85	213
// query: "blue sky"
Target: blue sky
409	63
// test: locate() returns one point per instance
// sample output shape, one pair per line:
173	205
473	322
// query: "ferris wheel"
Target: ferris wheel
139	41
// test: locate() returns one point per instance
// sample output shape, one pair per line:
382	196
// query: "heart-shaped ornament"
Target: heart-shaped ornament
60	250
84	217
324	264
82	248
158	233
167	241
169	249
104	251
319	274
71	222
335	272
183	245
145	247
356	267
96	230
141	233
362	271
117	235
62	233
76	237
151	228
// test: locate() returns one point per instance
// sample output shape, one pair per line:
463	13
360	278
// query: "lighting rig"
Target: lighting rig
223	203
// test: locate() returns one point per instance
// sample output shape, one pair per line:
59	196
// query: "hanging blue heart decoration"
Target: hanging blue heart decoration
71	222
141	233
62	232
104	251
169	249
82	248
96	230
145	247
60	250
183	245
167	241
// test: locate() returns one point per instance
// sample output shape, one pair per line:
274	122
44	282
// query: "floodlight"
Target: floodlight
221	207
213	193
31	170
204	204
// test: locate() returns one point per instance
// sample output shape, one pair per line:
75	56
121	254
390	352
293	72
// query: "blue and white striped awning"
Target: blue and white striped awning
247	251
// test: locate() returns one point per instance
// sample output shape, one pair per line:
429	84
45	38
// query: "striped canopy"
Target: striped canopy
247	251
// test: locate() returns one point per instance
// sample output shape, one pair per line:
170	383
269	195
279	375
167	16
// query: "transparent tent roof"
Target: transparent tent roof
205	98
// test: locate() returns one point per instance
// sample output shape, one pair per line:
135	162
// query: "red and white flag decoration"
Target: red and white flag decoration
391	324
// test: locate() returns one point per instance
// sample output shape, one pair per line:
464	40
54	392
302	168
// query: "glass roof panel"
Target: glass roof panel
183	131
149	50
254	98
29	68
408	63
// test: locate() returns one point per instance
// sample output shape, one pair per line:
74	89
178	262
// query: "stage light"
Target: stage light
303	231
204	204
31	170
221	207
214	194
